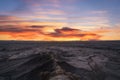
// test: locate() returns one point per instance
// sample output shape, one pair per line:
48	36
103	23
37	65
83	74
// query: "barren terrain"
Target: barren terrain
92	60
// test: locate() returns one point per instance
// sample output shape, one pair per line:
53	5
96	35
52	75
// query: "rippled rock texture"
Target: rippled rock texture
60	60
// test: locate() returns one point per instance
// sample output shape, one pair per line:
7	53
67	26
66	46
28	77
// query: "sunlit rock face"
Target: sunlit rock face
60	60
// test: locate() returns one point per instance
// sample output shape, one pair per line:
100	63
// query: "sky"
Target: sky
59	20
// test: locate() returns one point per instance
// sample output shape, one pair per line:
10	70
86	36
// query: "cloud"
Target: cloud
10	18
67	33
15	29
99	12
13	20
36	26
35	32
50	12
20	33
53	33
54	3
50	18
40	29
111	33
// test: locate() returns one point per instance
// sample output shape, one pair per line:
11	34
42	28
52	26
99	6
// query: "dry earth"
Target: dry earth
93	60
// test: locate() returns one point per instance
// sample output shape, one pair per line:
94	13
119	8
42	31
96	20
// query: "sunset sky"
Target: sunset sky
59	20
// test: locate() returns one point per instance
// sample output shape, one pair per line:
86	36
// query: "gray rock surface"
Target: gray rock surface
60	60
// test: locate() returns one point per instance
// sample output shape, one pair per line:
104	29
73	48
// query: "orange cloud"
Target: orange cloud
67	33
42	33
112	33
51	31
